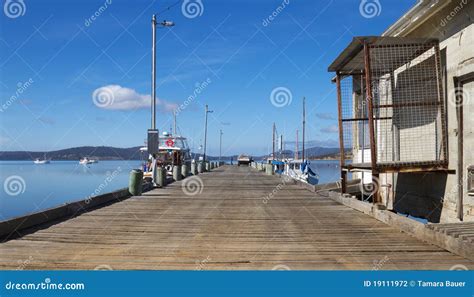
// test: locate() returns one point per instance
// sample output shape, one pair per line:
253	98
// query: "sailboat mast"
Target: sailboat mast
297	146
273	142
304	124
281	146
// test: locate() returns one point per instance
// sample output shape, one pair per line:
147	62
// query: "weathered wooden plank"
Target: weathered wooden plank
238	219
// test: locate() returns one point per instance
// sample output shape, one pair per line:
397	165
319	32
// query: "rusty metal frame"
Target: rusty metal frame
362	47
341	134
373	152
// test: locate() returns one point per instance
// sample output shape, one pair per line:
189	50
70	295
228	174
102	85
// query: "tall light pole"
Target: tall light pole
153	137
304	127
220	146
153	67
205	132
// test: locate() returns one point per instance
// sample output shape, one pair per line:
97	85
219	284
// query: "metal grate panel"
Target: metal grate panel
408	112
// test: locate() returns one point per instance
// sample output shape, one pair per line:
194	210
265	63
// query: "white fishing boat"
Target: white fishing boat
300	170
41	161
172	150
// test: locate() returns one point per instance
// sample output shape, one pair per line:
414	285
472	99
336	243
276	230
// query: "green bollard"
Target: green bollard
269	169
184	170
135	184
200	167
177	173
193	169
160	177
207	166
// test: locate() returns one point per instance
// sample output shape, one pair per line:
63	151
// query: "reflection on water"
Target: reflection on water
28	187
329	170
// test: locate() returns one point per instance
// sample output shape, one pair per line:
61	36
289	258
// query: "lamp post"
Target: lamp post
220	146
205	133
153	67
153	137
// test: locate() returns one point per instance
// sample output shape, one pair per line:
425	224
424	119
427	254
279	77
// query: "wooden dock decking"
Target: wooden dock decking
226	226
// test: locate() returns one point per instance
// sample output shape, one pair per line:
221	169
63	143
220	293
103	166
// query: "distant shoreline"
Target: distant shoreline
103	153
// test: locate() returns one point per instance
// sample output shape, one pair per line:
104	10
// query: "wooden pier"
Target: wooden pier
232	222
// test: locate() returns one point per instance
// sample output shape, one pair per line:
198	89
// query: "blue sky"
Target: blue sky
230	54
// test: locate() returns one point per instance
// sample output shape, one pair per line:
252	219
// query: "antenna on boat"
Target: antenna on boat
175	132
304	124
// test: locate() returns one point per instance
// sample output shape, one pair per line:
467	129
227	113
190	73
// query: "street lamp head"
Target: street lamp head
167	24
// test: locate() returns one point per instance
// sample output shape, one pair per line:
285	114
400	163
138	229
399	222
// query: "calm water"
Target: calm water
328	170
28	188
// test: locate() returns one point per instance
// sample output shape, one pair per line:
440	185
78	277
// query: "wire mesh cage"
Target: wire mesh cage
391	104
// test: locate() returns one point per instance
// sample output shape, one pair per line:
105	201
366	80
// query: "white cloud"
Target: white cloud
330	129
116	97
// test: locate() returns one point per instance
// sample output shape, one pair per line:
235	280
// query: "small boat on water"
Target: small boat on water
41	161
86	161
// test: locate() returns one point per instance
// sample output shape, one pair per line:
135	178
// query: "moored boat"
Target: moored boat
301	171
172	150
86	161
244	160
41	161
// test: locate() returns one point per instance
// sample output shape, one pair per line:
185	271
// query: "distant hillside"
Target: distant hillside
133	153
76	153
